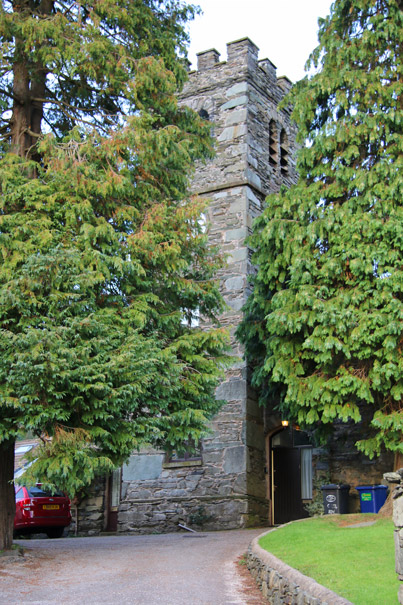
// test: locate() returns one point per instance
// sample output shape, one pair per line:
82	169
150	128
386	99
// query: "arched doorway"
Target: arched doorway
290	460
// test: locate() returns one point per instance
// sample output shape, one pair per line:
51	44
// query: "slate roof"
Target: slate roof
21	449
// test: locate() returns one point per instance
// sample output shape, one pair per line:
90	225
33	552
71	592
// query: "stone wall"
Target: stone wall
199	494
90	512
396	479
280	583
346	465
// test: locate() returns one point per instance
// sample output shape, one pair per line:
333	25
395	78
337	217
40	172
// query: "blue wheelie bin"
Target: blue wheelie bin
372	497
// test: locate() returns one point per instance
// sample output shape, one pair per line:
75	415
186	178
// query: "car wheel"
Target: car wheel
54	532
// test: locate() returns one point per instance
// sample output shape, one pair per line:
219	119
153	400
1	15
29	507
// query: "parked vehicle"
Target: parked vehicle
40	511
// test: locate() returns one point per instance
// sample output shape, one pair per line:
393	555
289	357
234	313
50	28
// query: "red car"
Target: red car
39	511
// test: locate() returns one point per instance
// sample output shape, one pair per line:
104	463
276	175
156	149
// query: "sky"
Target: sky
285	31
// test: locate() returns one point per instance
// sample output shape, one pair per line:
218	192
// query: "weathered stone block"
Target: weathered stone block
235	117
90	509
207	59
235	283
232	390
398	512
236	234
141	494
240	485
254	179
237	89
398	536
232	132
237	206
235	460
96	501
242	100
237	303
240	254
213	457
273	579
143	466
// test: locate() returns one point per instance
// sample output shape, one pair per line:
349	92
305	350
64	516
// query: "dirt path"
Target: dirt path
173	569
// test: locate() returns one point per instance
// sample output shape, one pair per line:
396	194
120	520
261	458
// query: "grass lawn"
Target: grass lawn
357	563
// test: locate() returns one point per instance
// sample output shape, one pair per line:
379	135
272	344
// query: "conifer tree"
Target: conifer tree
324	325
104	262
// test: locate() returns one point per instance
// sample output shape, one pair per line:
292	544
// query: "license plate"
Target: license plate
50	506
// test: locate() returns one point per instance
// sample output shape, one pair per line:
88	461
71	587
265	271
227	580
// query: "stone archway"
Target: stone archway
289	466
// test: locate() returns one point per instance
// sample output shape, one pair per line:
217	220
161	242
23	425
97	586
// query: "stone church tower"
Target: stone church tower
250	469
224	487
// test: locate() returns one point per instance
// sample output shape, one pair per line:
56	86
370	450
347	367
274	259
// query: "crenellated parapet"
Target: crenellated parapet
255	140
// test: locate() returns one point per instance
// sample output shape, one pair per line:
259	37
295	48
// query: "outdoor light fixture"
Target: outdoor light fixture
284	422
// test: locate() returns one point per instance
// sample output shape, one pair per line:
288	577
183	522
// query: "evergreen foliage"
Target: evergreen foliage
324	325
103	256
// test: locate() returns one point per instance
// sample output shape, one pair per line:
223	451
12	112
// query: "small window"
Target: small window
184	456
190	455
283	152
273	143
203	114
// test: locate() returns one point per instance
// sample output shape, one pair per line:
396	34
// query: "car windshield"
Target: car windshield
38	492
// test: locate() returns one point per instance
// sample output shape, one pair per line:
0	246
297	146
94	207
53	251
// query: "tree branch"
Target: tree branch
8	94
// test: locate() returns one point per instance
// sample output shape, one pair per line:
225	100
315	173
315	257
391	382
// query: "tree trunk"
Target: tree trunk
20	139
7	497
29	90
398	462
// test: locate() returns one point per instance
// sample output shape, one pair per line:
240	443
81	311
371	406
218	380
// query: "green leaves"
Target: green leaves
327	300
89	53
93	337
103	256
69	461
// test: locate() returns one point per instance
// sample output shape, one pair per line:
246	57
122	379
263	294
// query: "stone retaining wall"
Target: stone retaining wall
91	511
280	583
396	477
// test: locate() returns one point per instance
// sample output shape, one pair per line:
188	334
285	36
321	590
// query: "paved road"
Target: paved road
173	569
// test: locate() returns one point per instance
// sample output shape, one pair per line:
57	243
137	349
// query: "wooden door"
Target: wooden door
286	469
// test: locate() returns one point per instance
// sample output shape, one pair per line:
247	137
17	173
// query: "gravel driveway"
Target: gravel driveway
174	569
